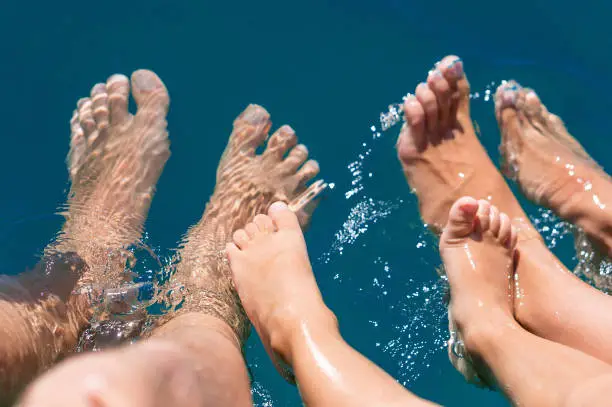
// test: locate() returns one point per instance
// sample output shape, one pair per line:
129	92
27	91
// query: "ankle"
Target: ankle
482	337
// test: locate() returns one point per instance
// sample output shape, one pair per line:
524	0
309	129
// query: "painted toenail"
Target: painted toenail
254	114
278	207
146	81
456	68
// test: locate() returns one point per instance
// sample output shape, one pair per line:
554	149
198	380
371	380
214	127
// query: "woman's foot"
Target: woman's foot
477	248
441	154
551	166
247	184
274	278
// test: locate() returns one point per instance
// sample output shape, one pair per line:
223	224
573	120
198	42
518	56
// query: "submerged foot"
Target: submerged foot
115	160
440	153
551	166
273	276
477	248
247	184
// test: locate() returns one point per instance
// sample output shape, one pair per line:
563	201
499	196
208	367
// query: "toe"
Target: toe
533	105
296	157
430	105
280	142
412	138
150	95
86	120
494	220
452	69
484	214
99	100
441	88
461	217
264	223
513	238
77	144
118	88
505	229
252	230
283	218
250	129
506	98
241	239
307	172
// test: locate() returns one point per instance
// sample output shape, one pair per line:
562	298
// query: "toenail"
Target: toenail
278	207
456	68
146	81
254	114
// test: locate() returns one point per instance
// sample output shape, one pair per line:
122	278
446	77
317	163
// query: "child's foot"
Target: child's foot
477	248
273	276
441	154
550	166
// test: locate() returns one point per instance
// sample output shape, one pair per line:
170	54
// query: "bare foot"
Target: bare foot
550	166
477	247
273	276
441	155
247	184
115	160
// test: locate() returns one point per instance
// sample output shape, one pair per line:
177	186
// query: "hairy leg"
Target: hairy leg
210	329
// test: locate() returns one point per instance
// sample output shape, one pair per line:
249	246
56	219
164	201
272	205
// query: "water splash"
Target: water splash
422	331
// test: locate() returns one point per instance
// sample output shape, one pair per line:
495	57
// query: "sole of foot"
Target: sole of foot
247	184
550	166
274	278
477	248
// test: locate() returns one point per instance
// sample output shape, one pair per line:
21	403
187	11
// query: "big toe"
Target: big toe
461	218
451	68
283	217
150	93
250	129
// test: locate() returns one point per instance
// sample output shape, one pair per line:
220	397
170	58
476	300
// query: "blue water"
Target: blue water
328	68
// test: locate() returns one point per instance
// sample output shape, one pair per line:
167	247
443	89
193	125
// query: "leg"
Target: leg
114	162
443	160
210	329
477	248
272	272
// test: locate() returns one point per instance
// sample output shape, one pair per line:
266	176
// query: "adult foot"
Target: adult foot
551	166
273	276
247	184
115	160
477	248
441	155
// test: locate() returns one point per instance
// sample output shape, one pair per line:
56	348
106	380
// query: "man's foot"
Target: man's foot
247	184
115	160
273	276
441	154
477	248
550	166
